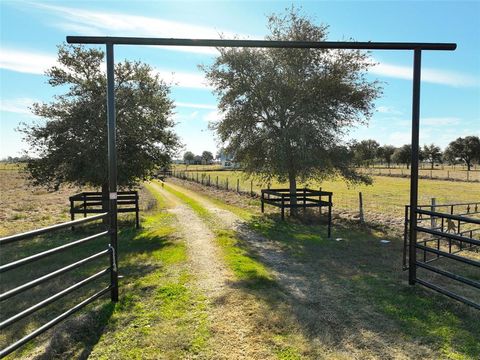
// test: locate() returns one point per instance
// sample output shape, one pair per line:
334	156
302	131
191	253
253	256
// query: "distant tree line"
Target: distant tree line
189	158
463	150
15	159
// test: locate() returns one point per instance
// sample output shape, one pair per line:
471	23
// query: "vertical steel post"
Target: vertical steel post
417	63
112	169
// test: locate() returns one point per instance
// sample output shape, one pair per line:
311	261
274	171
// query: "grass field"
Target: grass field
386	197
357	294
160	311
351	299
443	172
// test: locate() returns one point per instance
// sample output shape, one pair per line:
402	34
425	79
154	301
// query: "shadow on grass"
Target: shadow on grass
75	337
349	292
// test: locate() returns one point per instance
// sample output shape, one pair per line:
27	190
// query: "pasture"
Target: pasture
282	287
387	196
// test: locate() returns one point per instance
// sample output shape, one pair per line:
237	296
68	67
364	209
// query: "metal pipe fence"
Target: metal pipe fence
25	287
449	232
92	202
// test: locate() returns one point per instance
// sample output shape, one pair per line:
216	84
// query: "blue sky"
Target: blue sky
450	103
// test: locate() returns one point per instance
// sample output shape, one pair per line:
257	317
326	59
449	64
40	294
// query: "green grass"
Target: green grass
362	287
359	265
386	195
243	264
160	310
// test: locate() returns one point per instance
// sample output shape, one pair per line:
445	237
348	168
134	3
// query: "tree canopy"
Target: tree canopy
286	111
365	152
71	144
385	153
432	154
207	157
466	149
403	155
188	157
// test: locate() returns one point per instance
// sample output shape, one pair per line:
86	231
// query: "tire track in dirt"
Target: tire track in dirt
287	271
313	301
234	334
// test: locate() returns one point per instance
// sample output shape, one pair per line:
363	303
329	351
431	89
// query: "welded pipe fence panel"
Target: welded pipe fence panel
91	202
446	233
108	253
302	198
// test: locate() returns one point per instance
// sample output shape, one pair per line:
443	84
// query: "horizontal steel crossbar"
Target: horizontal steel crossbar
260	43
49	252
33	283
29	234
52	323
448	235
449	216
448	255
448	293
52	298
449	274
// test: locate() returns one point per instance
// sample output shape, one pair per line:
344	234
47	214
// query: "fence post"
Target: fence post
208	179
304	199
448	174
84	205
112	172
72	214
137	211
238	185
283	207
262	199
433	222
320	200
330	215
227	182
197	177
251	187
360	203
468	175
217	182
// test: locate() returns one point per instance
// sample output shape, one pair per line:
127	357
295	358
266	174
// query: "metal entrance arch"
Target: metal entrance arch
417	49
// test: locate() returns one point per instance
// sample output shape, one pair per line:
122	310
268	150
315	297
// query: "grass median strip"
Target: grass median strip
236	255
262	298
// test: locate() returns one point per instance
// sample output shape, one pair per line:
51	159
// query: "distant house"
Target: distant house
227	160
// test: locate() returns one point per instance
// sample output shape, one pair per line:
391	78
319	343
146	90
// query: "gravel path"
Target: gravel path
291	275
234	334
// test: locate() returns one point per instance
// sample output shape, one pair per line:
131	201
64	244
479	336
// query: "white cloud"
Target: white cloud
184	79
435	76
19	105
37	63
195	106
102	23
25	61
213	116
399	138
439	121
388	110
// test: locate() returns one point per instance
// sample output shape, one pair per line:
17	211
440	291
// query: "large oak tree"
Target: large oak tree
71	142
286	111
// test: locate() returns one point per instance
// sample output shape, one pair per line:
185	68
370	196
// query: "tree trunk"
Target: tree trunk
433	164
469	165
292	179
